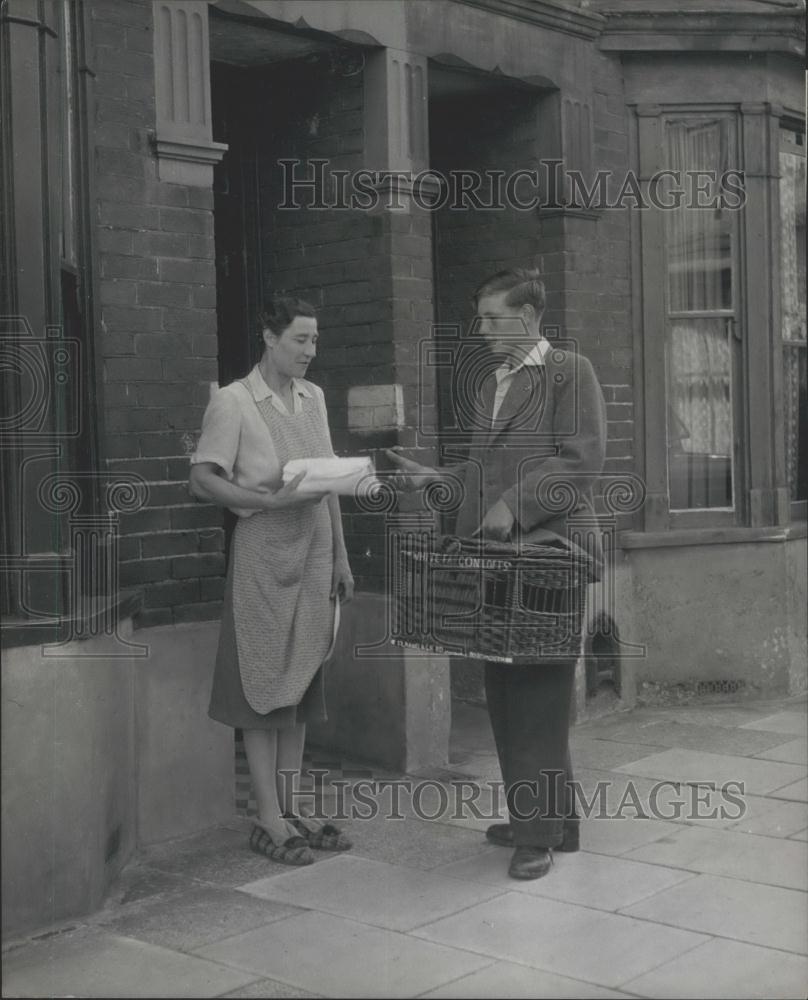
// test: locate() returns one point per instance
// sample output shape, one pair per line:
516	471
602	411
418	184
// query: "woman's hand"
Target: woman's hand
289	496
342	582
415	476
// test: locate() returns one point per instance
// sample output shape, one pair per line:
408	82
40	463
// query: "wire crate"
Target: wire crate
500	601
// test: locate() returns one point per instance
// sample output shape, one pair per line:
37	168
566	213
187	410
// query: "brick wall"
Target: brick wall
481	134
608	314
156	292
367	273
585	260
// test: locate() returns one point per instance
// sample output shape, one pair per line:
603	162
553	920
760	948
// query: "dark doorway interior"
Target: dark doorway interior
238	96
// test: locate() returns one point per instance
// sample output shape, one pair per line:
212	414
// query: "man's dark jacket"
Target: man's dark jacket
550	423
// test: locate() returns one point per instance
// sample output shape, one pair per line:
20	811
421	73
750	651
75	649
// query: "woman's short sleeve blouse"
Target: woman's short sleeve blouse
236	438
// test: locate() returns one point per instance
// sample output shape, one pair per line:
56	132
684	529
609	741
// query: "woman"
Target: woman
288	569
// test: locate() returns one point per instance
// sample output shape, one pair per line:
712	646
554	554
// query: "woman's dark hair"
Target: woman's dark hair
523	285
281	313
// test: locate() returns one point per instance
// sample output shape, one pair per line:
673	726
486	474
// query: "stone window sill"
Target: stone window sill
19	631
709	536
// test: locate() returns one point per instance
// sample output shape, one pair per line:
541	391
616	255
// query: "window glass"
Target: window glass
700	431
698	237
792	308
699	254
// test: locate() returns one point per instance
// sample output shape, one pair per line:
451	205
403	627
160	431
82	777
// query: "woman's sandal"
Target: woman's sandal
327	838
293	851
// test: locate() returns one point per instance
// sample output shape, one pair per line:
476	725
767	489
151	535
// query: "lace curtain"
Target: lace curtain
699	358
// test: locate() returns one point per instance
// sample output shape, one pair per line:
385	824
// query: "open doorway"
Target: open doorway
479	125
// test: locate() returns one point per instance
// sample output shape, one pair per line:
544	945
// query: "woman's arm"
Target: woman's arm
340	552
207	483
342	581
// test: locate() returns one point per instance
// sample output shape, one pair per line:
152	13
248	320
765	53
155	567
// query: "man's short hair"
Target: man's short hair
523	285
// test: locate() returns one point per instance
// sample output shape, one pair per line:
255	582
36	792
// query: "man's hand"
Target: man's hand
415	476
342	582
289	496
497	523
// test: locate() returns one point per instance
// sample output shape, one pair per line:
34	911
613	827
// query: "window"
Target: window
792	312
700	238
47	412
68	131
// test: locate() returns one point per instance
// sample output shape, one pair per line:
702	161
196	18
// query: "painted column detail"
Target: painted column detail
185	149
396	115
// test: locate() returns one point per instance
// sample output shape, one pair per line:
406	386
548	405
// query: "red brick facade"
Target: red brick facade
379	279
157	297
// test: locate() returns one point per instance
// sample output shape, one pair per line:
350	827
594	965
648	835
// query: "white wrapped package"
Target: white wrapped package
345	476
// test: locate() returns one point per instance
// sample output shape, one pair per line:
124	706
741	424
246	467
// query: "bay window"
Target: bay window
721	322
700	244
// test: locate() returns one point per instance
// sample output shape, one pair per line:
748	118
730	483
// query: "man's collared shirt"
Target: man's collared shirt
260	390
504	374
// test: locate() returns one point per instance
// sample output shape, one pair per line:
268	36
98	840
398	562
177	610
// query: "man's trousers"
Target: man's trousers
530	707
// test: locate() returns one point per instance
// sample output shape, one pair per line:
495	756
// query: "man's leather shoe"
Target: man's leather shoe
501	834
530	862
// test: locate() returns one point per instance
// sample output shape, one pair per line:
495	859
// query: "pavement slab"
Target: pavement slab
336	957
199	916
683	903
734	971
771	817
730	853
547	934
788	721
482	766
139	881
792	752
727	907
216	857
606	754
758	776
796	790
592	880
671	733
93	963
374	892
706	715
616	837
621	796
506	979
268	989
416	843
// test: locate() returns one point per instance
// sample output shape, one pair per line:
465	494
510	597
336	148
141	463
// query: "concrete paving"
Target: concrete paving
692	881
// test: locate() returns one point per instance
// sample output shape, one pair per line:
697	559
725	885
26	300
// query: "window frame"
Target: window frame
656	315
68	307
798	509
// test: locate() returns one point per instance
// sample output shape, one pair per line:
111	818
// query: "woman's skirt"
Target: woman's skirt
227	702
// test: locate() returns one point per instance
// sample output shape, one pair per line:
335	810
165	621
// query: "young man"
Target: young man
540	413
